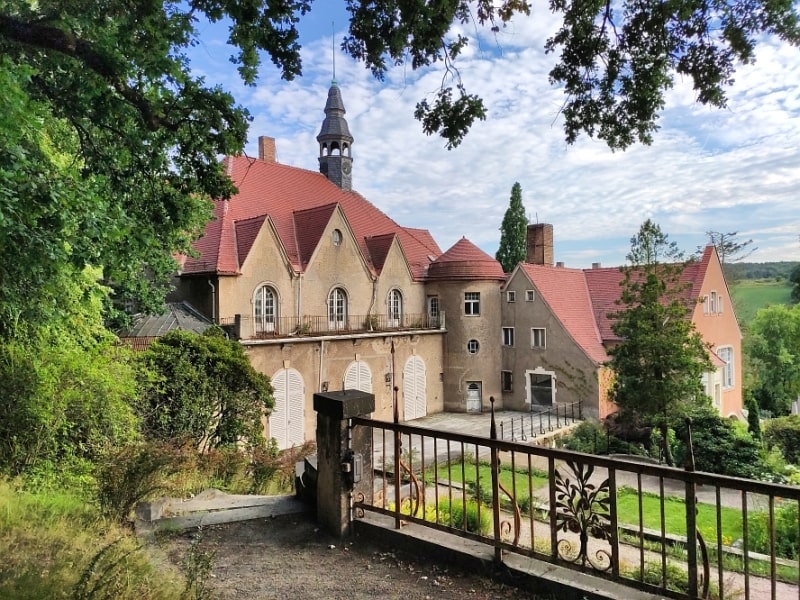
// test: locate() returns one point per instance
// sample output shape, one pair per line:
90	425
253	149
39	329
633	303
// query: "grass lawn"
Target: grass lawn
675	516
749	295
483	473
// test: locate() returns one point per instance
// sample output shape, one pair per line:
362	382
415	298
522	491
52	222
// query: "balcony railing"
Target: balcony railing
677	533
316	325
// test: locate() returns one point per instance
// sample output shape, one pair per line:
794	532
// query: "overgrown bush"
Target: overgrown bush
203	391
784	432
63	405
719	446
592	438
786	536
136	473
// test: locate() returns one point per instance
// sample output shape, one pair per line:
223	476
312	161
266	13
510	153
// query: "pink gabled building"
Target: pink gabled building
557	330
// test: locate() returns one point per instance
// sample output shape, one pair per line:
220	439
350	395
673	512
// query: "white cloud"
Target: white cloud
734	169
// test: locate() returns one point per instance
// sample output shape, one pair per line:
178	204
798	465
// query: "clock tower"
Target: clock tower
335	142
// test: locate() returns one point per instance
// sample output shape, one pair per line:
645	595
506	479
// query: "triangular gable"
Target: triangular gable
378	247
309	225
246	233
566	294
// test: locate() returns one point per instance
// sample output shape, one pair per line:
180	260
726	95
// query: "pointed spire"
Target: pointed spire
335	141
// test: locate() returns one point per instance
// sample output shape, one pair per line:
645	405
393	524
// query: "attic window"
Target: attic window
337	237
529	296
511	296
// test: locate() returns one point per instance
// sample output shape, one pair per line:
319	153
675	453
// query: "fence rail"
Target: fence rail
540	422
314	325
679	533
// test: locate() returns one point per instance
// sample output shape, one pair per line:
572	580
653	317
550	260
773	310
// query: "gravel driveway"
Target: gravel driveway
288	557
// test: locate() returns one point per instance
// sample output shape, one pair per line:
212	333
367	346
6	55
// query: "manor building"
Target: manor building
327	292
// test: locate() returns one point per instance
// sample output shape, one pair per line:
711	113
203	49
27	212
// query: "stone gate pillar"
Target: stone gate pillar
343	455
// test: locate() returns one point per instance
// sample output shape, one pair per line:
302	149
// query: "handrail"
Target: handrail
565	509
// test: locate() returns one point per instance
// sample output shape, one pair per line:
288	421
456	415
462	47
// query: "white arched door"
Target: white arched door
286	423
415	402
358	377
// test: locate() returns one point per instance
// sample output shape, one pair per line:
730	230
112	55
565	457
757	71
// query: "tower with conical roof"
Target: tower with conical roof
335	142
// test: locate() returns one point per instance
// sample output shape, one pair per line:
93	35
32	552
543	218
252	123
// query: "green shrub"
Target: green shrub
202	390
786	536
719	446
784	432
136	473
477	520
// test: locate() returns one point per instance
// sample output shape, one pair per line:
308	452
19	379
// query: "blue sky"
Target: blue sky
736	169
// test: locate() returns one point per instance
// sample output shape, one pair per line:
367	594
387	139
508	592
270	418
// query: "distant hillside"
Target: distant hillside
766	270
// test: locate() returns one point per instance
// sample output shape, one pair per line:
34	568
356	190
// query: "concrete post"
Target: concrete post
336	469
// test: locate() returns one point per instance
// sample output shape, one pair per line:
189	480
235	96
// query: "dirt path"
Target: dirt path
290	558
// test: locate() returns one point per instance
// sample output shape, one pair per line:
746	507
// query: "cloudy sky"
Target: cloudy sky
736	169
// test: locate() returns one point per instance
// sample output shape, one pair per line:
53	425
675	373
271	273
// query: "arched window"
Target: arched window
265	308
337	309
395	308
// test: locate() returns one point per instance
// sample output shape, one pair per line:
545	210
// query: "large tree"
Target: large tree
660	359
110	143
202	390
729	248
513	232
773	348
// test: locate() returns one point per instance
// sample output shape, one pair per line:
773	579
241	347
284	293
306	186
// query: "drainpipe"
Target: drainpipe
321	363
299	298
372	302
213	301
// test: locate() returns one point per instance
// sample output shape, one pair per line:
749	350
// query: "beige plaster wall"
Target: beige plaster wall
460	366
576	374
326	360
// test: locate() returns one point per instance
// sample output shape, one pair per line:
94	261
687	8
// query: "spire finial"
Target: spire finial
333	51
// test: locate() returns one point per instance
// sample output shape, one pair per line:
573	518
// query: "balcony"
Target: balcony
245	327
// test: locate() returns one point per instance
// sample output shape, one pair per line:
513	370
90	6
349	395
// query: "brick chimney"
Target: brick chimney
266	148
540	244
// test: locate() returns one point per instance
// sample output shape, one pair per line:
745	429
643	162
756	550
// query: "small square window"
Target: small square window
530	296
473	346
511	296
538	337
472	303
507	381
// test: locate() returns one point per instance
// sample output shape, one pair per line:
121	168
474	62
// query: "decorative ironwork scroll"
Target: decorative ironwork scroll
582	508
506	525
415	494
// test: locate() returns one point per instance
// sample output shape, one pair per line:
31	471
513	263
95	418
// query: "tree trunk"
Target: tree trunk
666	450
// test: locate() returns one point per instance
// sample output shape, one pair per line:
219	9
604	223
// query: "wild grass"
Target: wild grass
57	546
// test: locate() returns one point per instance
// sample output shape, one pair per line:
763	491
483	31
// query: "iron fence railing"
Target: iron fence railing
314	325
678	533
540	422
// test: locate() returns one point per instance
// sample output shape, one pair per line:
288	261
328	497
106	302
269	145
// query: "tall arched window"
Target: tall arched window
265	308
337	309
395	308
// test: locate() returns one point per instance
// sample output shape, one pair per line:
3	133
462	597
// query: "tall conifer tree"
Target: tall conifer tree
660	360
514	230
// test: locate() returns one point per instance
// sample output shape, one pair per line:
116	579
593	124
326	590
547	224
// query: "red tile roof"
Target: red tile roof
605	290
565	292
284	194
465	261
582	299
